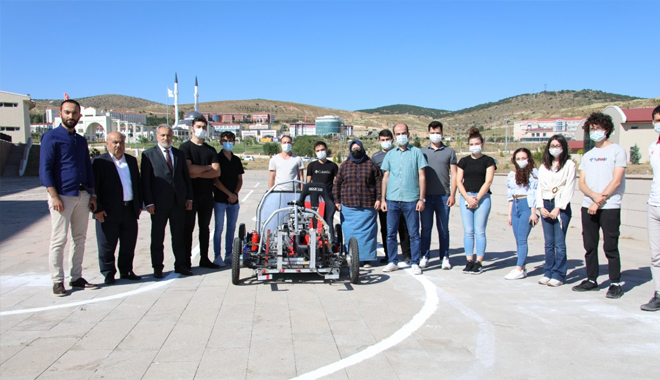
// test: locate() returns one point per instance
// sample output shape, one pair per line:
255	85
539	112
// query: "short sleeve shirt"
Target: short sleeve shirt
230	169
439	169
286	170
598	166
378	157
323	173
474	172
404	166
200	155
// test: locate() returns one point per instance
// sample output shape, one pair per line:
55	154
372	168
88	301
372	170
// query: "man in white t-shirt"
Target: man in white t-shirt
285	166
653	216
603	182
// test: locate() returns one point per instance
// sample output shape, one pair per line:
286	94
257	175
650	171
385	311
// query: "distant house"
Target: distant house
263	117
632	126
15	116
542	129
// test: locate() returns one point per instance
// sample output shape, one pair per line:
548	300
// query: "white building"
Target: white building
543	129
15	116
632	126
95	125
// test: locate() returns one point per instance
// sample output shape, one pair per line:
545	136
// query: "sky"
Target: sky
347	55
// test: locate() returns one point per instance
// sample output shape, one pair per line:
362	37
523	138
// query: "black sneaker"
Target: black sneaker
476	268
654	303
614	291
407	260
58	289
468	267
81	283
585	286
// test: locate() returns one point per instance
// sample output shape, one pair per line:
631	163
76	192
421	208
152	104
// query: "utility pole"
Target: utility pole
506	136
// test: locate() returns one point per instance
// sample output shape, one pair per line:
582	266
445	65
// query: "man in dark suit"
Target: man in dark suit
119	204
167	193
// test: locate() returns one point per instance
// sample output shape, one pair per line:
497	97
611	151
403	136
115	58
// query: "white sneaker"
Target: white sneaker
423	262
416	270
391	267
402	264
544	280
555	283
516	274
445	263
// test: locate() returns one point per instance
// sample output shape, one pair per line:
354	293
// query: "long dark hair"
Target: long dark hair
522	175
548	158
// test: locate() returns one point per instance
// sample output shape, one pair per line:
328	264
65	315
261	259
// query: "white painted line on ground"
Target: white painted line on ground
256	185
430	306
248	194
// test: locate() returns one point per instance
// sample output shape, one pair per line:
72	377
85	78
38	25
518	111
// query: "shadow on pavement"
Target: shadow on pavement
18	215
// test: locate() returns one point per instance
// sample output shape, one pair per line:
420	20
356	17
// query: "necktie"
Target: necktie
169	159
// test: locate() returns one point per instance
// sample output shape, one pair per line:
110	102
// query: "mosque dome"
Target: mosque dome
192	114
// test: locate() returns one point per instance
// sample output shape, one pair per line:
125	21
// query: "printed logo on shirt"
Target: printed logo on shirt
317	171
598	159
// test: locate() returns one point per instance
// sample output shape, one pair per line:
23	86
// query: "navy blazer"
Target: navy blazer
109	189
160	186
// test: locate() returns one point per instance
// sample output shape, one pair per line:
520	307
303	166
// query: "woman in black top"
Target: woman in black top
473	179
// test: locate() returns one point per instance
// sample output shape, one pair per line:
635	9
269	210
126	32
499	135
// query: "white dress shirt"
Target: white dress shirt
125	176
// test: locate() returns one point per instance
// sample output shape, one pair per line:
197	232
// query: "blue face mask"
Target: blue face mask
656	126
597	136
228	146
402	140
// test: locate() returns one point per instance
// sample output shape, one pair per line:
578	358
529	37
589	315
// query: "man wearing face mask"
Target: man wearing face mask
285	166
322	170
404	189
653	215
204	167
225	194
385	138
603	182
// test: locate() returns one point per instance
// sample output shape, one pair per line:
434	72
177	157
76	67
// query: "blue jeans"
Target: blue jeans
520	213
474	224
555	241
394	211
232	217
435	204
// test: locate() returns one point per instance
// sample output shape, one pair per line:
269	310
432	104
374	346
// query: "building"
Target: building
95	125
15	116
263	117
632	126
542	129
136	118
220	127
302	129
329	125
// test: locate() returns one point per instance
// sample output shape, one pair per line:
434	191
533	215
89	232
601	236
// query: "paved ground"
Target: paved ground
442	325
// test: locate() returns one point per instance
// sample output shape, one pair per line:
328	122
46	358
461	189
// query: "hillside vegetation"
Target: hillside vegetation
405	109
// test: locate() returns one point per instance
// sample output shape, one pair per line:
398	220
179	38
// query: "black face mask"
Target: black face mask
357	154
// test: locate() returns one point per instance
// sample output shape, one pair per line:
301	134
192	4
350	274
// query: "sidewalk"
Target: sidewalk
442	325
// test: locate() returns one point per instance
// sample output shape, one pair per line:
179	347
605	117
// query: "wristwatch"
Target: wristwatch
423	200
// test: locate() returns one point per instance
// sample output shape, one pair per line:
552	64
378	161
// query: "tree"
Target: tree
36	118
417	142
271	148
635	156
304	145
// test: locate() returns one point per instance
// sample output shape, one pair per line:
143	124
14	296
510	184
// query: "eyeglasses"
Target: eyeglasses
596	128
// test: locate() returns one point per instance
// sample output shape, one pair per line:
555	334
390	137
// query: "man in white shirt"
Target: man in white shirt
119	205
653	216
285	166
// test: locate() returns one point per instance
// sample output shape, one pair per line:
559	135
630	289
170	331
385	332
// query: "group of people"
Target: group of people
403	187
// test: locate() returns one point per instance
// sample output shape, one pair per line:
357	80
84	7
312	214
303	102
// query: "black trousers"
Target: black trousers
404	237
108	234
175	214
609	221
203	205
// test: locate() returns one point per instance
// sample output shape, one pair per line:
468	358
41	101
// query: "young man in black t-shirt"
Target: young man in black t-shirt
225	194
203	165
322	170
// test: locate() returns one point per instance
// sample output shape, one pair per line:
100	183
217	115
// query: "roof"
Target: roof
637	115
575	144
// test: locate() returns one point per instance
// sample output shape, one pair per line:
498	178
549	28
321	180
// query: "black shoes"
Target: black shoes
468	267
183	271
58	289
614	291
654	303
585	286
109	279
476	268
130	276
208	264
158	273
81	283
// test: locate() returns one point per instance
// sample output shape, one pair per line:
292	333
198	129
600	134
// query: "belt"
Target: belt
128	203
519	196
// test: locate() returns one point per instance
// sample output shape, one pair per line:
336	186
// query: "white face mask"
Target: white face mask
475	149
597	136
555	152
402	140
522	163
435	137
656	126
321	155
200	133
386	145
286	148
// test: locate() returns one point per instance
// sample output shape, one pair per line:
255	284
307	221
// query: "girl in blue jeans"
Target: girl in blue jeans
473	179
521	193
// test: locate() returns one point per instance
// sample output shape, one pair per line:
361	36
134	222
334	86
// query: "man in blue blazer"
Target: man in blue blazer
119	204
167	193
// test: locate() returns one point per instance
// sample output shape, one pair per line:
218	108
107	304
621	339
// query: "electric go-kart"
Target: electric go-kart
294	234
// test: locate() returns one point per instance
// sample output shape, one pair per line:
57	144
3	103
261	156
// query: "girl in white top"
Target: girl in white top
554	193
653	216
521	194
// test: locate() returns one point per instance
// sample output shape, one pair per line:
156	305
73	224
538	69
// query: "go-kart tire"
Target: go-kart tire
339	234
236	252
354	255
241	231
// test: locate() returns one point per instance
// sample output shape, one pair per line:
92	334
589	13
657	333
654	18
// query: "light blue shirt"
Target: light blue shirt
404	166
514	189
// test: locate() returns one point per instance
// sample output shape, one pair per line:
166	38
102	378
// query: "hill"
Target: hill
111	101
405	109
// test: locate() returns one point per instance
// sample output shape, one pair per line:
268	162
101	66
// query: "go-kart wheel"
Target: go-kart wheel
354	260
339	235
241	231
236	252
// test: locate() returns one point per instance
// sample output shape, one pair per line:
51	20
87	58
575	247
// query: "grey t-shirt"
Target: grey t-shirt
378	157
439	169
598	167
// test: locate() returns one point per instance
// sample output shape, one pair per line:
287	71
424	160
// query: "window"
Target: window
10	129
8	104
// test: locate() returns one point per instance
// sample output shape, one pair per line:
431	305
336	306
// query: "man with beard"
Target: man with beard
167	193
65	169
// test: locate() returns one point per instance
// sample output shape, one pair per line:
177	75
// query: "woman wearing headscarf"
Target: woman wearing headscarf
357	193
